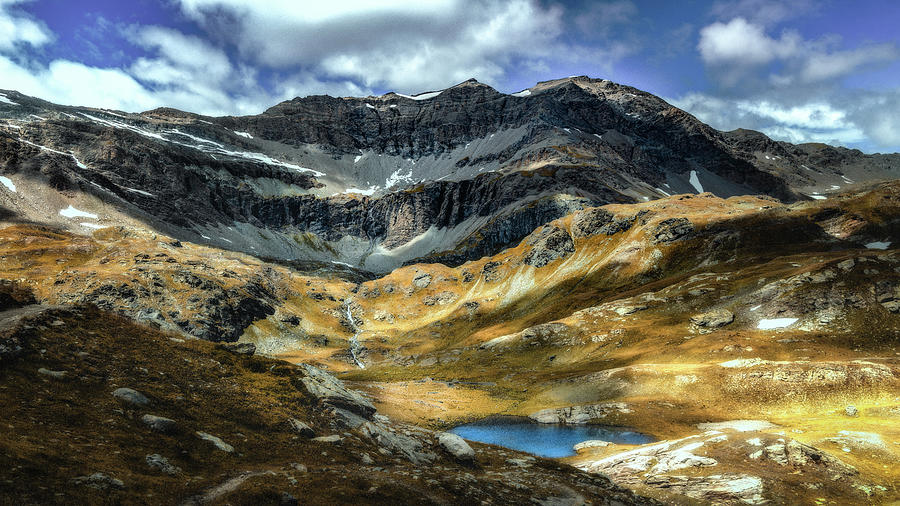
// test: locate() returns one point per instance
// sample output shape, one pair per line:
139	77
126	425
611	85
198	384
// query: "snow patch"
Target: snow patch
205	145
817	197
754	308
870	245
243	134
5	100
370	106
776	323
695	182
91	225
71	212
195	138
7	182
141	192
396	178
421	96
51	150
357	158
368	192
660	190
523	93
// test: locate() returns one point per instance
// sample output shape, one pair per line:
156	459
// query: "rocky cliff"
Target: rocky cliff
380	181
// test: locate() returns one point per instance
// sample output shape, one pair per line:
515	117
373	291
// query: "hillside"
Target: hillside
111	412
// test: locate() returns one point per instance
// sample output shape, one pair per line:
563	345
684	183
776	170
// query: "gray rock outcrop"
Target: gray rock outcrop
457	447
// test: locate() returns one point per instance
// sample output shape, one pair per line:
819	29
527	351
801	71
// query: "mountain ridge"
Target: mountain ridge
382	181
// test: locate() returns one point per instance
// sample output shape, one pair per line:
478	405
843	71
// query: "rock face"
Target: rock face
579	414
672	229
548	245
590	221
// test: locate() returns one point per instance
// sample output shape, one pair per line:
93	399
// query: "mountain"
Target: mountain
343	268
377	182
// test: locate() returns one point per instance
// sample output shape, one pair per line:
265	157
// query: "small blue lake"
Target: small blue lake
545	440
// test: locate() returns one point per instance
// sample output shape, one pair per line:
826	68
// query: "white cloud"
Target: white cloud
184	51
18	28
739	41
409	46
788	86
343	47
739	48
879	115
765	12
824	66
806	122
73	83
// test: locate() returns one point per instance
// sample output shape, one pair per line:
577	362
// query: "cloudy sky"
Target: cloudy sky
799	70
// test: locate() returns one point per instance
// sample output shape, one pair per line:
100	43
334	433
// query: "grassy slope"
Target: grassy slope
56	429
655	359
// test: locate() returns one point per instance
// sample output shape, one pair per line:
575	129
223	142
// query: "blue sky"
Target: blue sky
799	70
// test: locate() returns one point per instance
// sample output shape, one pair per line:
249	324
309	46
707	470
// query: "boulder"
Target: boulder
239	348
713	319
393	442
129	396
330	391
218	443
457	447
333	438
98	481
422	280
161	464
301	428
160	424
440	299
52	374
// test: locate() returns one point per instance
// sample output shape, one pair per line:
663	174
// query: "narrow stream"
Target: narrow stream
355	347
545	440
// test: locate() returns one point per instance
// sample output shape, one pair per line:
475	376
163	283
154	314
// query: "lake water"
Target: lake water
545	440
